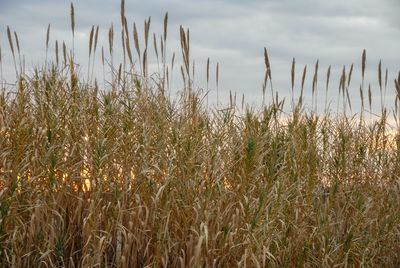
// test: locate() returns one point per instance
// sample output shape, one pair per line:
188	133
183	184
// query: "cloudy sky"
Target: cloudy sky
233	33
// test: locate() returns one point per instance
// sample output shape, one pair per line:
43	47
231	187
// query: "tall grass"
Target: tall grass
122	174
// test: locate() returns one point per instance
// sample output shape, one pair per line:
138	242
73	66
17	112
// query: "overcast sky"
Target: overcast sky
233	33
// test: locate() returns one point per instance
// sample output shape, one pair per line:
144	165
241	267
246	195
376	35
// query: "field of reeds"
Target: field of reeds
122	173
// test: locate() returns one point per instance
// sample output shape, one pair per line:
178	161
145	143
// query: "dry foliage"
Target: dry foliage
126	176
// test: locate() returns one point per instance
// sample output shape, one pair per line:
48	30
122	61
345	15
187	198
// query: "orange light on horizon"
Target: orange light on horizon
87	184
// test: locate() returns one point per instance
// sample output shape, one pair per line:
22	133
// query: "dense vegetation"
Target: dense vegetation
125	174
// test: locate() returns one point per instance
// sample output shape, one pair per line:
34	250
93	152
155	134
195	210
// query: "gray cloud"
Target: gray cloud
233	33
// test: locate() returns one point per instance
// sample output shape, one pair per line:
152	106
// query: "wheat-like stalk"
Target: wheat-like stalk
122	174
56	48
72	19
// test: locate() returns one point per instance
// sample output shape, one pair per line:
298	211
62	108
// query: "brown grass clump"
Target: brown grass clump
124	175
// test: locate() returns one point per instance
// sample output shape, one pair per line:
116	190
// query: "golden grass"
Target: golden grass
123	175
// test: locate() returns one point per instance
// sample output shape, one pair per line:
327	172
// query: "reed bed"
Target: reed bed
122	173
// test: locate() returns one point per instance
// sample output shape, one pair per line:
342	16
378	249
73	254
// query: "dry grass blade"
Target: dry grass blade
380	82
264	87
363	60
328	74
122	11
208	70
185	49
145	63
65	52
12	48
10	40
183	75
162	49
362	98
217	74
167	76
397	85
386	77
303	77
96	38
111	39
348	97
155	45
314	84
369	96
342	82
187	41
267	64
216	80
266	58
398	78
18	50
128	48
119	73
146	31
292	72
123	42
56	47
102	55
91	41
380	74
47	37
17	42
136	38
72	19
182	40
350	73
172	61
125	27
165	26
